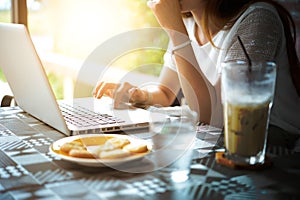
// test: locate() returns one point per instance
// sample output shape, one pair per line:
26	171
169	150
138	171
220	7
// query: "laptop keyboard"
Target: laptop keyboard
82	117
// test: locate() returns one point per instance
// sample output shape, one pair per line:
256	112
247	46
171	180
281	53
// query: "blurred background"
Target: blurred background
65	32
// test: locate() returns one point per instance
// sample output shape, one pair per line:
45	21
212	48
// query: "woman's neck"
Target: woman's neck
200	35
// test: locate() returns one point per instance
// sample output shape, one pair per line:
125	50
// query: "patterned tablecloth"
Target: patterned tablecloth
29	171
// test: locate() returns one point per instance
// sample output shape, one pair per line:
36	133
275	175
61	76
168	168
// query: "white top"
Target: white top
263	36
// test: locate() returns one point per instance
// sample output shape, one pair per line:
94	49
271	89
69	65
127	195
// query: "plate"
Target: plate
92	141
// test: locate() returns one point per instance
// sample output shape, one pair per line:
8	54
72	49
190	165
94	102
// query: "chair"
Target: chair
7	101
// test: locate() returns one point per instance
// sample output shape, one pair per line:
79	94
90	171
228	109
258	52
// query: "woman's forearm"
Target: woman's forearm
191	79
195	90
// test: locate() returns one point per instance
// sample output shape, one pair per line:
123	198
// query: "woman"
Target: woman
204	38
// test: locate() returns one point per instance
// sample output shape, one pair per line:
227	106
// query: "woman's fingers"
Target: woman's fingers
95	91
136	95
105	88
121	93
168	14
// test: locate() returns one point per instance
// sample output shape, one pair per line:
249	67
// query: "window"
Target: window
5	16
66	32
5	11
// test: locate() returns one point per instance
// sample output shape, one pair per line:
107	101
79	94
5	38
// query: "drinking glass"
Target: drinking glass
173	141
247	96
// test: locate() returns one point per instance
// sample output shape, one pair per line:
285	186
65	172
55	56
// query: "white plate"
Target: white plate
97	162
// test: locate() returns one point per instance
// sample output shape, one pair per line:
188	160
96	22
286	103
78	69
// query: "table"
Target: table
29	171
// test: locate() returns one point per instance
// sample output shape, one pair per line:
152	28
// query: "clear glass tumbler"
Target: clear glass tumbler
173	141
247	96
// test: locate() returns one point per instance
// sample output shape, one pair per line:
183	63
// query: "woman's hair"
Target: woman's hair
224	13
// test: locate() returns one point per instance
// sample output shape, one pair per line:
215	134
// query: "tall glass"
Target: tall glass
247	96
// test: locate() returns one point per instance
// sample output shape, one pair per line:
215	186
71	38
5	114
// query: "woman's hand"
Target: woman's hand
168	14
121	93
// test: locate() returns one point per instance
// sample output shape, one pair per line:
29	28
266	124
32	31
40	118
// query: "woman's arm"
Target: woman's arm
191	78
163	93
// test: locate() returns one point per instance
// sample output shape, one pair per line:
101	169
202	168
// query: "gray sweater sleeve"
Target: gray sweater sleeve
261	33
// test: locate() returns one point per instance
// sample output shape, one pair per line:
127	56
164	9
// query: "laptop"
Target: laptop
32	91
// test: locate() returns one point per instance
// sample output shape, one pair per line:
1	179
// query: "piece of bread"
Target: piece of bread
111	149
116	153
111	144
136	148
117	142
104	147
81	153
67	147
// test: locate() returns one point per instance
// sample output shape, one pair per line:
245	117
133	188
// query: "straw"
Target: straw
245	52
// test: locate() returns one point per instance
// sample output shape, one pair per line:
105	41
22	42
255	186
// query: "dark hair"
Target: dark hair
224	13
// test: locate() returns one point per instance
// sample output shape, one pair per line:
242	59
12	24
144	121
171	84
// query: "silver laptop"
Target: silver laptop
31	89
